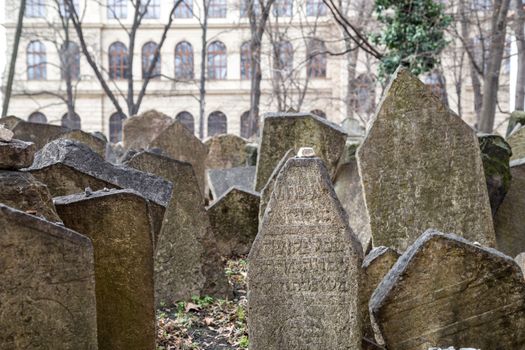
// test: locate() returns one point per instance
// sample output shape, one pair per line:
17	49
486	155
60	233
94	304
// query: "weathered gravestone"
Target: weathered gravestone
94	142
47	294
16	154
445	291
516	141
118	224
421	167
234	218
517	119
187	262
138	131
520	260
294	130
220	180
38	133
10	121
226	151
179	143
304	267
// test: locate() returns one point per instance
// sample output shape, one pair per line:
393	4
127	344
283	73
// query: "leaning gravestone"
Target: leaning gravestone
187	262
138	131
304	267
447	291
221	180
421	167
226	151
96	143
516	141
294	130
38	133
118	224
47	294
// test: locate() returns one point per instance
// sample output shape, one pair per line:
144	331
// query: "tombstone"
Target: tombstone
234	218
517	118
119	225
304	266
516	141
284	131
48	287
10	121
221	180
421	167
447	291
375	266
138	131
16	154
187	262
94	142
180	143
39	134
226	151
252	150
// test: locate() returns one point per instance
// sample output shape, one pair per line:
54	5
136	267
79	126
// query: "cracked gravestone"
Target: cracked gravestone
445	290
304	266
47	294
119	225
421	167
220	180
226	151
138	131
16	154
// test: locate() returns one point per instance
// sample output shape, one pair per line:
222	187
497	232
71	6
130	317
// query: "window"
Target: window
36	61
315	8
284	52
318	113
115	127
246	61
316	55
64	7
217	9
245	5
117	9
152	9
184	61
217	62
187	120
118	61
217	124
35	8
148	56
37	117
71	123
249	128
363	96
70	61
282	8
184	9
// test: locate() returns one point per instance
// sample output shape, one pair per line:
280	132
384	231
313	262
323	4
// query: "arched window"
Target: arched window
115	127
148	56
184	9
284	52
152	11
315	8
187	120
217	61
70	61
316	55
37	117
35	8
363	96
249	128
217	9
118	61
246	60
318	113
184	61
36	61
117	9
245	5
217	123
282	8
71	123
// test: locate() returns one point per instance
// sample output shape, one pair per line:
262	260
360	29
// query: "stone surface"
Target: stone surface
517	118
220	180
179	143
39	134
421	168
96	143
47	294
119	225
5	134
295	130
304	267
520	260
445	290
187	262
138	131
226	151
10	121
516	141
22	191
16	154
251	154
234	218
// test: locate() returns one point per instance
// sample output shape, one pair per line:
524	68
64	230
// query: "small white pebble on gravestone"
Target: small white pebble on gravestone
306	152
5	134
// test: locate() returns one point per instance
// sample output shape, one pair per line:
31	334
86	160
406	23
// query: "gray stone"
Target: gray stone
6	135
445	290
234	218
294	130
139	131
517	118
220	180
251	154
16	154
39	134
516	141
226	151
119	225
94	142
10	121
304	267
520	260
47	294
421	167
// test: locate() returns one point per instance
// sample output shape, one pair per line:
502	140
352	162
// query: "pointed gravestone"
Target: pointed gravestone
47	294
138	131
421	167
119	225
226	151
303	272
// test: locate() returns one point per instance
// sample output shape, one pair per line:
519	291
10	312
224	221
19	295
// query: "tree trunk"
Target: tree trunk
519	25
202	83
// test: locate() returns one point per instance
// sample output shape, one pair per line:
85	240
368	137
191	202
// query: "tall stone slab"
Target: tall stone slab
94	142
138	131
294	130
445	291
226	151
47	294
421	168
221	180
516	141
187	261
119	225
304	267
